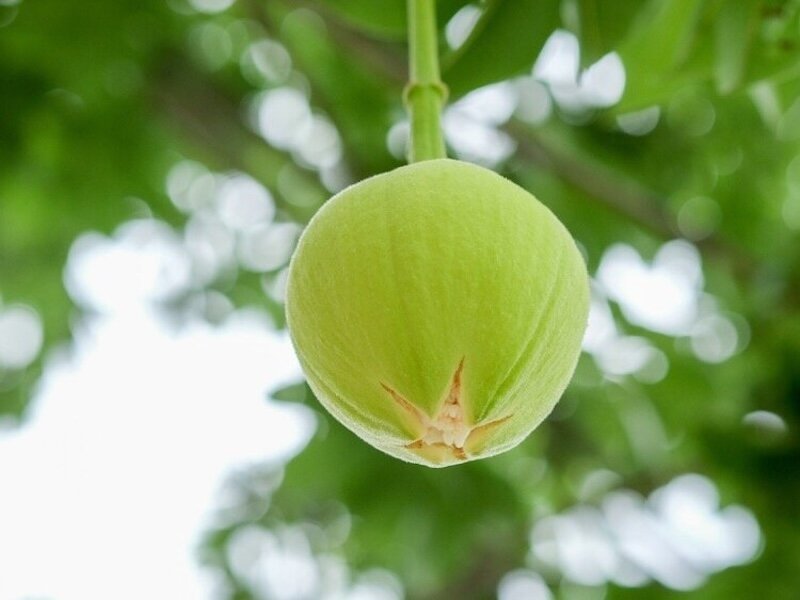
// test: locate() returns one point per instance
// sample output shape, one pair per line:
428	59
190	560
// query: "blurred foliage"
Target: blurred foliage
99	101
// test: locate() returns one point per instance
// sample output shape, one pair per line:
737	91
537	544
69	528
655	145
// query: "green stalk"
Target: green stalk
425	93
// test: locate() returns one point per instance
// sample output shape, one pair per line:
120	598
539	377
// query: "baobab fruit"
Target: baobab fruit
437	311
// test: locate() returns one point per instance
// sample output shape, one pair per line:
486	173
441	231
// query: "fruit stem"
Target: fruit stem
425	93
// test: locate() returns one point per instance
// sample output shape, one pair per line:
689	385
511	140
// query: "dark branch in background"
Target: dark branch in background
626	198
376	55
622	195
644	208
214	125
480	578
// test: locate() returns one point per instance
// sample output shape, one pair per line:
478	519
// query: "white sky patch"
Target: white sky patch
109	482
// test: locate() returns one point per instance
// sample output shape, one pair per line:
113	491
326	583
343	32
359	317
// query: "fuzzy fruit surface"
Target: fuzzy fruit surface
437	311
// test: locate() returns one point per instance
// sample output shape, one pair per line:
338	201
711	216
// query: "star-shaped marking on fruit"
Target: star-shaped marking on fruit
449	430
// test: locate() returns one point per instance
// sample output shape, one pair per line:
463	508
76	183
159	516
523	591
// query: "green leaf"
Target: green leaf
733	36
660	42
602	25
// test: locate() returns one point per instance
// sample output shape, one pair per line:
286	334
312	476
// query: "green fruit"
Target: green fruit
437	311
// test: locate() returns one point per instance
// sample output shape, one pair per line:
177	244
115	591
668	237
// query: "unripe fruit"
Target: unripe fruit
437	311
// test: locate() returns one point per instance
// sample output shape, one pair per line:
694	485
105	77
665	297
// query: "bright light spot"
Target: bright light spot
765	426
492	104
376	584
21	336
211	6
699	217
618	355
640	122
765	422
190	186
284	117
267	248
266	62
470	125
144	262
603	83
624	355
534	105
211	246
322	146
336	177
654	369
397	139
678	537
243	202
476	141
461	25
281	564
714	339
576	544
275	287
523	585
730	537
601	328
558	63
662	297
278	566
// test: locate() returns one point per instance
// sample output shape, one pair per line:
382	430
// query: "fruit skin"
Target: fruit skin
437	311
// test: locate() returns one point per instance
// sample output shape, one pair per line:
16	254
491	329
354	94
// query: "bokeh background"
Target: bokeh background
158	160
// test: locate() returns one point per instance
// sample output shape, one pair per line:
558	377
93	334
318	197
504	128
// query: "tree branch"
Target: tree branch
627	198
